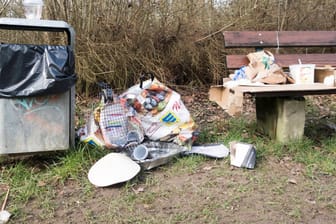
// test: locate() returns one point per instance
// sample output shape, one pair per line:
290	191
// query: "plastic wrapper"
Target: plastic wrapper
112	125
119	126
29	70
161	111
91	133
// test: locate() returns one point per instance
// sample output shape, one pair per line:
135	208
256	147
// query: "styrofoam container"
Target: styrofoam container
35	124
302	73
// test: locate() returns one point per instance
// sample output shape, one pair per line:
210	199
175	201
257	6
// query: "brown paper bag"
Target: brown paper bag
263	69
260	63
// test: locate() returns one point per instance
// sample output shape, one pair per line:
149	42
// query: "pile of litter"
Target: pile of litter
146	126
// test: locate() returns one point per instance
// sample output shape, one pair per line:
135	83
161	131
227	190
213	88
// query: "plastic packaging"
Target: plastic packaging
162	113
113	123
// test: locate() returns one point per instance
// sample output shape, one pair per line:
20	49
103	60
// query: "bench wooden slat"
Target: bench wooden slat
286	90
241	39
284	60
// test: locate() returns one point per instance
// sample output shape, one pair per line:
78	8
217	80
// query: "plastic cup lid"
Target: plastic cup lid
113	168
33	2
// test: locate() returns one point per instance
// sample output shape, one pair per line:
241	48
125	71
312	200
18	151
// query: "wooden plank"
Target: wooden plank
284	60
286	90
262	39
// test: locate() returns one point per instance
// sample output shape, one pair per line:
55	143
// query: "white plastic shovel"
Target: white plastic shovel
4	215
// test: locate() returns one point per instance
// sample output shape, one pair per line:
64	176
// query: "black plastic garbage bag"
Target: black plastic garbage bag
30	70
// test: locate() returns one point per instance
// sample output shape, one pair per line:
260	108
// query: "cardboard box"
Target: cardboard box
231	101
325	75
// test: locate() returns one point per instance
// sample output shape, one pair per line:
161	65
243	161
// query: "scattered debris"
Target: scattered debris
292	181
138	190
207	168
113	168
218	151
160	153
147	125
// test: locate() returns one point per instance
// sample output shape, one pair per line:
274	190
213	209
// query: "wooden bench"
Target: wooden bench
280	109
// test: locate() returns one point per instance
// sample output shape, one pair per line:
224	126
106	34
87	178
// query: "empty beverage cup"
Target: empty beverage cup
33	9
140	152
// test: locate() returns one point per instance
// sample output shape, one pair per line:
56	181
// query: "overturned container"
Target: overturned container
242	155
37	90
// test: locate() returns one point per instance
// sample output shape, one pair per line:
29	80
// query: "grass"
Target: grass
36	177
42	177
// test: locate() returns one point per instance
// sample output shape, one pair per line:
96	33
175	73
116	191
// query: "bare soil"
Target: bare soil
276	191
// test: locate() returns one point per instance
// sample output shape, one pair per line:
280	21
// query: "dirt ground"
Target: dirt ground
276	191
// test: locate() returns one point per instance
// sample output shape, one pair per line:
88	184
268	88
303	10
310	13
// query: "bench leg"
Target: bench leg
282	118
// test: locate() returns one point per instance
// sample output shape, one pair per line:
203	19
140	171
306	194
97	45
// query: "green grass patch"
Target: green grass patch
42	177
318	154
39	176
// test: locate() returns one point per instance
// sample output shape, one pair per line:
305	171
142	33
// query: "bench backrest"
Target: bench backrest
280	40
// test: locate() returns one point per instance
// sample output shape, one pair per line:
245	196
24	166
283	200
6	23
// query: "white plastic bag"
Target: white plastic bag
162	113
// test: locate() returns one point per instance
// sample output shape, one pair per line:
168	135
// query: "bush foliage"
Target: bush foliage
180	41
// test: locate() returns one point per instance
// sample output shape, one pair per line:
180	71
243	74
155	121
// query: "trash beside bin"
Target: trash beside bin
37	91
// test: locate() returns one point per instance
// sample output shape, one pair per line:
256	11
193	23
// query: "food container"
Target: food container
302	73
